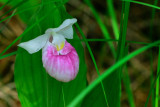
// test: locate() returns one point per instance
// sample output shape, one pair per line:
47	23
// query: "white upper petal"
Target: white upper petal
64	29
58	40
36	44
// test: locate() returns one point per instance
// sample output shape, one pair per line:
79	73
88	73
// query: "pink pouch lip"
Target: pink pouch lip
62	65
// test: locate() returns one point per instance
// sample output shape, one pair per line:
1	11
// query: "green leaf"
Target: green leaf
142	3
35	87
7	55
95	98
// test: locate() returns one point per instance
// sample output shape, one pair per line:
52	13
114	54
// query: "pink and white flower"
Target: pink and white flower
59	58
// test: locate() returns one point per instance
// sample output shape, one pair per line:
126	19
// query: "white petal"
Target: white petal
58	41
64	29
36	44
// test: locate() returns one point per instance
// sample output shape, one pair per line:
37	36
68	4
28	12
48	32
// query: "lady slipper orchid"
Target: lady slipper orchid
59	58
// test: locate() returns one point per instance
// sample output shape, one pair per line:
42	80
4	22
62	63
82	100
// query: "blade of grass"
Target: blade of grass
126	81
20	3
152	18
121	47
8	20
102	26
114	40
152	78
93	59
108	72
5	4
127	87
123	29
157	82
113	18
154	82
7	55
142	3
151	56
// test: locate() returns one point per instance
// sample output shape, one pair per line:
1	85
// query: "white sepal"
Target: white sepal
64	29
36	44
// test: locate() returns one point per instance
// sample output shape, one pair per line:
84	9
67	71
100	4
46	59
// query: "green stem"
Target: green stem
157	83
113	18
